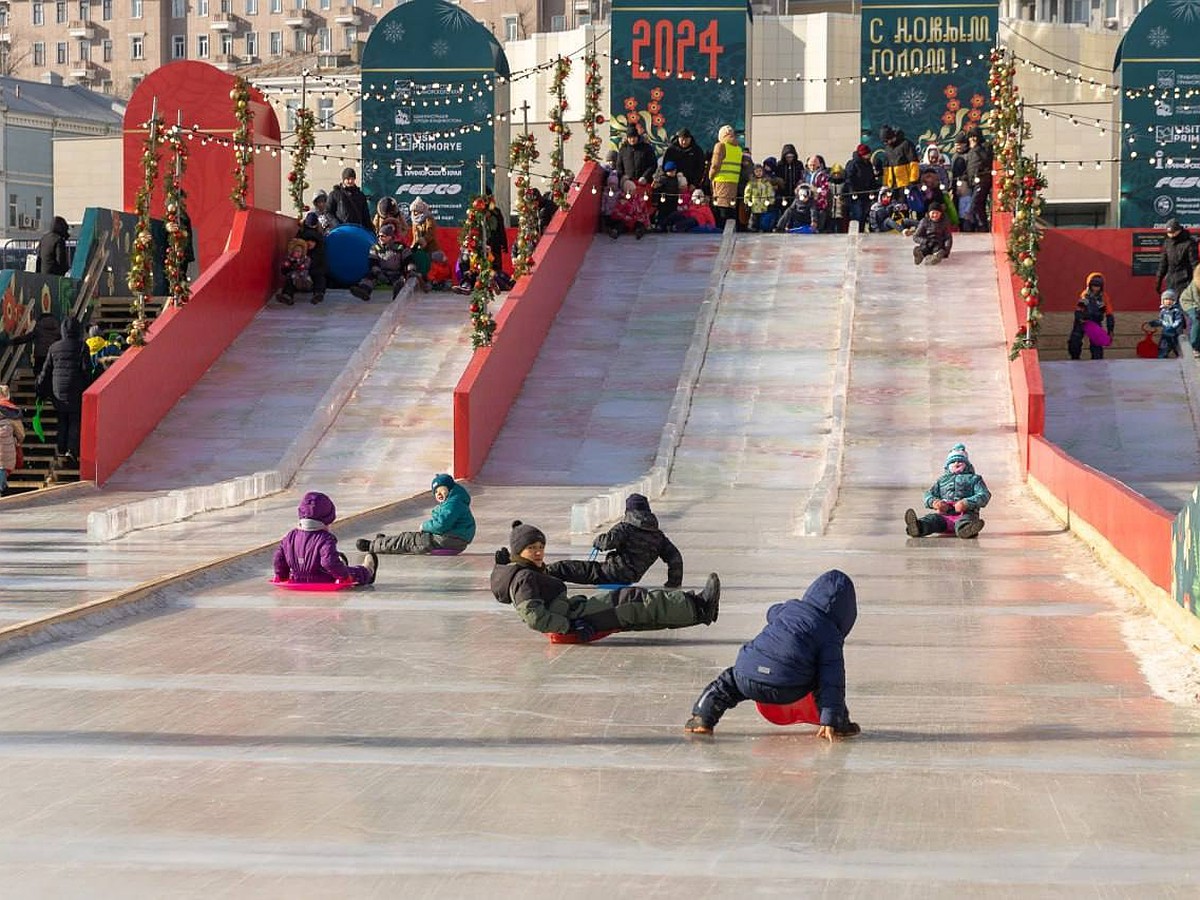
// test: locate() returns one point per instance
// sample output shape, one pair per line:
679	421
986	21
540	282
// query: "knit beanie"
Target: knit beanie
442	479
522	536
1168	297
958	453
862	150
637	503
348	173
316	505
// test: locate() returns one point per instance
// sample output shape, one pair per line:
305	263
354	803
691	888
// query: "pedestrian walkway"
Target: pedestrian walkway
417	739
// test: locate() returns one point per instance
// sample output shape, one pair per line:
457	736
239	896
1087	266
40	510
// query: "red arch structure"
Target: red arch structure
198	94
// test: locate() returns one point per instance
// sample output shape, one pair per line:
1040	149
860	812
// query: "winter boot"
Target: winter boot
710	599
614	232
935	258
285	299
361	291
371	564
969	528
918	256
912	524
364	544
317	298
696	725
639	231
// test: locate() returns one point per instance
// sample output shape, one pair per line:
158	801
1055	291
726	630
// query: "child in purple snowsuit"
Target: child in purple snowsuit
309	553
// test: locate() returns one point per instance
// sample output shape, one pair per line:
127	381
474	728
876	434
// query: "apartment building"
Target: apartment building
110	45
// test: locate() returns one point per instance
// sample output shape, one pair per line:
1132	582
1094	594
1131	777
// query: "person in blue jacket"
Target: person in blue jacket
955	498
798	653
450	525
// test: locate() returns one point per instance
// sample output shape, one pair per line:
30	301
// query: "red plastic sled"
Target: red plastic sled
315	585
576	639
1147	347
802	712
1096	334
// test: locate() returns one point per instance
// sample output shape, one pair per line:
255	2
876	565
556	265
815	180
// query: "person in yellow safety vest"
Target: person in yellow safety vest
725	171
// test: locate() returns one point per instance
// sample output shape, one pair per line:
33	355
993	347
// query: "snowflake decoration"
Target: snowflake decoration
1188	10
439	48
393	32
454	18
912	100
481	108
712	126
725	95
1158	37
687	109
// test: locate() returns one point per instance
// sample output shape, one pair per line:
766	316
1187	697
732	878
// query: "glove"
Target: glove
581	627
363	545
960	506
1110	325
502	557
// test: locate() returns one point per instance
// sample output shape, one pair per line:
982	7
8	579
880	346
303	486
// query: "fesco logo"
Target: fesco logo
419	190
1178	181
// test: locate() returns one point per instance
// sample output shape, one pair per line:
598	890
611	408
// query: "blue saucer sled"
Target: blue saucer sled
347	249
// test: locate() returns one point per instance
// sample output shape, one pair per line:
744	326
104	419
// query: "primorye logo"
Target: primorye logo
420	189
1179	181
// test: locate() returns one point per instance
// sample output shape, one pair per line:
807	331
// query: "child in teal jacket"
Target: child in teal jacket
450	525
955	498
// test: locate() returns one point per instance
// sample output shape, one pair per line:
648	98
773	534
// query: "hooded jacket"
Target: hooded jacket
52	249
531	590
966	485
900	166
67	369
12	434
636	161
1177	263
634	544
791	171
860	177
348	206
689	161
935	235
801	647
1095	308
453	515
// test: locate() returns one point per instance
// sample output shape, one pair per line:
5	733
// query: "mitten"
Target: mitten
502	557
1110	324
581	627
363	545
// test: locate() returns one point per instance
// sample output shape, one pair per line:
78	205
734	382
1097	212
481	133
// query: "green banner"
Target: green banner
428	78
676	65
1185	533
925	68
1160	111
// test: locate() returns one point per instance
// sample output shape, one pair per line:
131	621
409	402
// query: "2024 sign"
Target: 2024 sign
670	41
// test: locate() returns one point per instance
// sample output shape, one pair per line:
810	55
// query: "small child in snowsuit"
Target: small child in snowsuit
633	545
12	436
1094	306
933	237
1172	321
450	526
632	212
308	553
797	654
441	276
889	214
541	600
390	262
609	195
701	213
955	498
759	196
295	270
800	217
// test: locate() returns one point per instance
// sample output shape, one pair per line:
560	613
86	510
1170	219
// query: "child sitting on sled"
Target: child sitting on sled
955	498
308	553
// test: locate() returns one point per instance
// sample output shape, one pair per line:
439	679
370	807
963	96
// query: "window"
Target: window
325	111
349	37
106	86
290	123
583	19
358	114
252	7
12	210
61	54
106	10
106	50
178	9
179	46
226	43
135	9
558	23
324	4
39	54
324	40
202	46
60	12
301	4
227	7
202	7
85	51
137	46
276	6
252	44
299	39
276	42
37	213
510	28
85	10
377	2
39	14
4	17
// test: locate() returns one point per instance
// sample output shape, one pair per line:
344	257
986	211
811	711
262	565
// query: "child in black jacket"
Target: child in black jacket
933	237
633	545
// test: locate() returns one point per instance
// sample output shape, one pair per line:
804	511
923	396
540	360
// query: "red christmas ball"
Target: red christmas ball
599	120
474	307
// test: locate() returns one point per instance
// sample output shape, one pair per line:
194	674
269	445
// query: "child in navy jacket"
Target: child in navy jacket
798	653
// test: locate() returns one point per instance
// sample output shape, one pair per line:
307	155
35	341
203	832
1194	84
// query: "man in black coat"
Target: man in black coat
688	158
633	545
860	186
1179	259
66	374
979	178
347	204
42	335
52	249
636	160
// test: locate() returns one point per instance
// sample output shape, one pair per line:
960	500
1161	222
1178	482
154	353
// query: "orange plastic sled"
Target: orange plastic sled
576	639
803	712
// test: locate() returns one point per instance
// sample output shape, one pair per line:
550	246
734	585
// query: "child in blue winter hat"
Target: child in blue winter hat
450	525
955	498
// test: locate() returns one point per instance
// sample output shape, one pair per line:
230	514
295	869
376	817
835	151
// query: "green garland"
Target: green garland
560	175
521	155
243	146
593	88
141	259
179	237
1024	243
474	246
306	123
1008	127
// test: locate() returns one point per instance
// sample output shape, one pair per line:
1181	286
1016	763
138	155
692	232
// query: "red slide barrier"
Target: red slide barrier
131	398
1069	255
494	377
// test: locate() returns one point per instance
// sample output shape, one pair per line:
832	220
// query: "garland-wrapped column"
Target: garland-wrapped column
521	155
141	260
560	175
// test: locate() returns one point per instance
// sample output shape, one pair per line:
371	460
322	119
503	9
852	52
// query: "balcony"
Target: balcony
348	15
298	18
223	21
226	61
81	29
84	70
